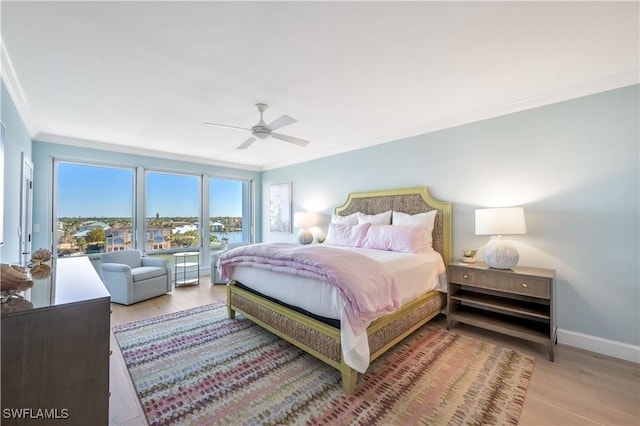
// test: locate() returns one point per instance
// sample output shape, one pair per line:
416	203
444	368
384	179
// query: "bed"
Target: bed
324	339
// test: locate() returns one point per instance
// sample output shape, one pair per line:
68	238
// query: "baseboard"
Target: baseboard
599	345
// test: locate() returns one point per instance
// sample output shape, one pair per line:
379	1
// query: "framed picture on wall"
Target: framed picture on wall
280	207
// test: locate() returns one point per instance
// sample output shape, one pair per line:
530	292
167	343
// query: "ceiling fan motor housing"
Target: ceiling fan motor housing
260	132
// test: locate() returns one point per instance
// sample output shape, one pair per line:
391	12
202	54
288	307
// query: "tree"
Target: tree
96	235
188	239
96	240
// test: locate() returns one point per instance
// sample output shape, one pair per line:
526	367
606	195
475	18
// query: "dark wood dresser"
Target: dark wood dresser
55	350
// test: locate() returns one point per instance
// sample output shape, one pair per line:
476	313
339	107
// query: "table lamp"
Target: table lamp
499	252
304	221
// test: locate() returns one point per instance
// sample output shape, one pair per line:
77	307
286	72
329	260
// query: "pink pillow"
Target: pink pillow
346	235
406	239
422	219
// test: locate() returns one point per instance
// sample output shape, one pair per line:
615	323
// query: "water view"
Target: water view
80	236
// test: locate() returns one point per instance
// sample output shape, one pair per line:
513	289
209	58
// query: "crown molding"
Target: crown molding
579	90
14	88
104	146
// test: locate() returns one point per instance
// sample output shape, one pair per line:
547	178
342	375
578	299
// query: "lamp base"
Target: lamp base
499	253
305	236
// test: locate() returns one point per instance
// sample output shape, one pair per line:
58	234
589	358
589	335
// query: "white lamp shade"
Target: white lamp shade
304	220
500	221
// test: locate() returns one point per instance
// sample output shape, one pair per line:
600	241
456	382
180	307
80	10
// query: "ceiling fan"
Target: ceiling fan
263	131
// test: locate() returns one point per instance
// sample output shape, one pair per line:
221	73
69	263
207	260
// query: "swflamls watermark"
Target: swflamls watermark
35	413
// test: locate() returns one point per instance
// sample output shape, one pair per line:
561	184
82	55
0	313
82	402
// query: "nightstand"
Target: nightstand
517	302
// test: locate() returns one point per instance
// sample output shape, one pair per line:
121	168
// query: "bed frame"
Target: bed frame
322	340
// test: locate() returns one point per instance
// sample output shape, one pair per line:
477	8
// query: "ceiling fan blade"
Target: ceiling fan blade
291	139
247	143
225	125
281	121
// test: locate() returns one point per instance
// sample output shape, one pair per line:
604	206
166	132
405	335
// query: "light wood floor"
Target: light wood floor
579	388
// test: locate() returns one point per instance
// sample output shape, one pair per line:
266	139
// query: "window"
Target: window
94	208
172	212
229	220
100	208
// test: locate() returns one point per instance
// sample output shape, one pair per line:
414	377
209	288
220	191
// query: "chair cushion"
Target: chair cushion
147	272
132	257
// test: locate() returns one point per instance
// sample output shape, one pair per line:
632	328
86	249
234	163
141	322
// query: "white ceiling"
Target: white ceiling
142	77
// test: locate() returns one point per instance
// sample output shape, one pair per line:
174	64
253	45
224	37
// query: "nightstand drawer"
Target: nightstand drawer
501	281
528	286
468	276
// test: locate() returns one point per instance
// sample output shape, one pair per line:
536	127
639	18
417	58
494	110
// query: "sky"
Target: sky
92	191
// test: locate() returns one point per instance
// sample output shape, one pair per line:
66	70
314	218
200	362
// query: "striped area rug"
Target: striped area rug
198	367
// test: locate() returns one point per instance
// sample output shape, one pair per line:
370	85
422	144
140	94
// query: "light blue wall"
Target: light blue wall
574	166
43	153
17	141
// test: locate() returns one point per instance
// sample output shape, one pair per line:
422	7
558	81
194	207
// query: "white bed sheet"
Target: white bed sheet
414	274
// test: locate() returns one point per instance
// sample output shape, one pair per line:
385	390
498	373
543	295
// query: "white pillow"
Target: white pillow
406	239
426	219
351	219
346	235
421	219
375	219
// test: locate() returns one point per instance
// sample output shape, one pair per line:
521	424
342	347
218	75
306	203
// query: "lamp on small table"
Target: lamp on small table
304	221
499	252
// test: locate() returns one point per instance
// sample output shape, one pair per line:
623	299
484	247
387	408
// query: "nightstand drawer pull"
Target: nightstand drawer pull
524	285
465	276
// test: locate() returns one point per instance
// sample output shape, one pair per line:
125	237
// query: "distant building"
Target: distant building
158	238
84	229
118	238
184	228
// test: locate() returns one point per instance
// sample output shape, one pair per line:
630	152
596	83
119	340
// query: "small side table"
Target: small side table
187	268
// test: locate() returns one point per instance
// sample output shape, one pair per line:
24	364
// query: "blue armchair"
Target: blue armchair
131	278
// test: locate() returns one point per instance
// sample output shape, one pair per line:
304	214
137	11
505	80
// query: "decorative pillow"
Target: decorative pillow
351	219
346	235
406	239
422	219
377	219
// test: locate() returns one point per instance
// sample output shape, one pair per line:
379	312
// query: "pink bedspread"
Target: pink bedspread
367	289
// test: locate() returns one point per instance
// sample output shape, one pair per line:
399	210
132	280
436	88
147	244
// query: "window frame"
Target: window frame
56	192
